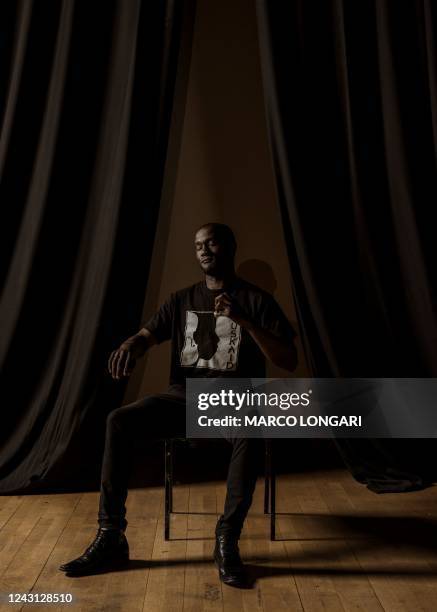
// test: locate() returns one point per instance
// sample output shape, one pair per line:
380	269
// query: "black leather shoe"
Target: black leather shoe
228	561
109	550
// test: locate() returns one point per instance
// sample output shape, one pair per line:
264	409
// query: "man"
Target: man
220	326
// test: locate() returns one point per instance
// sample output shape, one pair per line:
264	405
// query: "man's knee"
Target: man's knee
114	418
122	415
154	415
127	411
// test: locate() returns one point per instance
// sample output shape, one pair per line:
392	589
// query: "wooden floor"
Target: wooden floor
340	547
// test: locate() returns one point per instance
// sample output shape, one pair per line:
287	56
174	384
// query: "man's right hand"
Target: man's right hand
122	361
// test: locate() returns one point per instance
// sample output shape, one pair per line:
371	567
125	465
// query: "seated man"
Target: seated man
220	326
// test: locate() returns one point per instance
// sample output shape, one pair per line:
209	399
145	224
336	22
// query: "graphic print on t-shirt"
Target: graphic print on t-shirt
210	342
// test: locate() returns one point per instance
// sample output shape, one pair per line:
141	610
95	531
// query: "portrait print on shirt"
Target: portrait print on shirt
210	342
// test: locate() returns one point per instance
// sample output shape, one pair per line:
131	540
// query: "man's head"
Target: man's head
215	247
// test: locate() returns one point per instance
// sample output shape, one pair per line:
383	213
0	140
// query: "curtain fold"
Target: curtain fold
89	91
350	105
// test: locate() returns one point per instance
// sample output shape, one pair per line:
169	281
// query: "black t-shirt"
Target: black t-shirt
208	346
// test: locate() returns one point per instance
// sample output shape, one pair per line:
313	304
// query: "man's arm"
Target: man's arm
154	331
280	352
122	361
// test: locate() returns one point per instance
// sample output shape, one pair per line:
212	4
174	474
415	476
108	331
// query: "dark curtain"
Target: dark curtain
350	91
85	101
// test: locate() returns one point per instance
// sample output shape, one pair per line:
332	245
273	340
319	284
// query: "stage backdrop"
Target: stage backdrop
350	91
224	174
86	96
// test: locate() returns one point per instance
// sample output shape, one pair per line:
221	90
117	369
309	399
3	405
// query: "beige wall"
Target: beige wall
224	174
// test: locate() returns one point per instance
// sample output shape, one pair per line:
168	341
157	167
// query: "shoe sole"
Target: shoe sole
100	569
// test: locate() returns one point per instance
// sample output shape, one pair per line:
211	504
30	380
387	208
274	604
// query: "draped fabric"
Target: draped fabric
85	100
350	93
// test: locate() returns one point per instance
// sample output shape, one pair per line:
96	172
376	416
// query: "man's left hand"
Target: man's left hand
228	307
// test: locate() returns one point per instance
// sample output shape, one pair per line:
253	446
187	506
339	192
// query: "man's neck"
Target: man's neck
218	282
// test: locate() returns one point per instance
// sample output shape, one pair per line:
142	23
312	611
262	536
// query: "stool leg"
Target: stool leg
272	497
266	476
171	462
167	488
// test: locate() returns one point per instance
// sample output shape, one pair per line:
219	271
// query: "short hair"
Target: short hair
223	232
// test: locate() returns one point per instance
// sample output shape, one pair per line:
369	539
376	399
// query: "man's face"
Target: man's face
213	254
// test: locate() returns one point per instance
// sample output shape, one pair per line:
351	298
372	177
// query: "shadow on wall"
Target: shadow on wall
259	273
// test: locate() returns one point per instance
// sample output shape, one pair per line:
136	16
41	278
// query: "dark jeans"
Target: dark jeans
163	416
